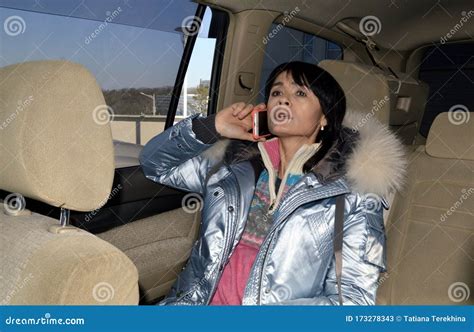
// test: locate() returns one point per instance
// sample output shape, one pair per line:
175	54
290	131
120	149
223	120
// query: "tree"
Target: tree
200	99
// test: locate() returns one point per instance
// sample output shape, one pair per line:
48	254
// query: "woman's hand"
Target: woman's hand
235	121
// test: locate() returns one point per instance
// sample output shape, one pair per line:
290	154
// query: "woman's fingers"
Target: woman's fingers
238	124
237	107
245	111
241	110
249	137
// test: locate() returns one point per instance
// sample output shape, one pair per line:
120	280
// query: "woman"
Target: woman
269	206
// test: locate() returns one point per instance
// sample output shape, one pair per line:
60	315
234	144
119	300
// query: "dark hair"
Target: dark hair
330	95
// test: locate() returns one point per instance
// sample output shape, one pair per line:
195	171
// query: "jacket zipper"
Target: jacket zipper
300	201
275	197
270	237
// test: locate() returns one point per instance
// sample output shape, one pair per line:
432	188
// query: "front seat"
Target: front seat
56	147
430	230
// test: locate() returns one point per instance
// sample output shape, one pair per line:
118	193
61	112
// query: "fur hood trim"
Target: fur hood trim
368	155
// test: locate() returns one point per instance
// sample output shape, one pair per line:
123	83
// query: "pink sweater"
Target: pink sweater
231	287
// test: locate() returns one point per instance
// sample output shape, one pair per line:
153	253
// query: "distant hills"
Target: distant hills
131	102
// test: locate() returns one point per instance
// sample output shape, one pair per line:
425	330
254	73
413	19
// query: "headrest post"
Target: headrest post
64	217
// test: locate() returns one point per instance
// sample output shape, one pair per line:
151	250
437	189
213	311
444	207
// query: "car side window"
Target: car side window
448	70
284	44
194	96
133	48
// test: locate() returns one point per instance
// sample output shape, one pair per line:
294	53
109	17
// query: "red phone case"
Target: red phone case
255	112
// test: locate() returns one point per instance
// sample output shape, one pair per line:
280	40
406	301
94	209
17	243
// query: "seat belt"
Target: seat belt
338	236
369	47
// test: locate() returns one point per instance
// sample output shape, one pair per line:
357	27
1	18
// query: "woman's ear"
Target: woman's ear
323	122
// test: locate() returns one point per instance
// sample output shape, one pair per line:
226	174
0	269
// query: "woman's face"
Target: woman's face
293	110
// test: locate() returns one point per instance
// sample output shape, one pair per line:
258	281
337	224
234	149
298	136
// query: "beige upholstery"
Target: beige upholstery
451	137
430	231
159	246
74	267
397	102
53	113
55	147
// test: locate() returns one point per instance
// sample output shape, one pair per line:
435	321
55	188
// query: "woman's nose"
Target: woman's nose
283	101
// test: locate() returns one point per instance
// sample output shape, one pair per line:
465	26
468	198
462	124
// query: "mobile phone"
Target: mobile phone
260	123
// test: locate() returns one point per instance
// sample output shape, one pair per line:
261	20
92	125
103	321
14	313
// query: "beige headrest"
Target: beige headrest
54	143
365	87
394	101
451	136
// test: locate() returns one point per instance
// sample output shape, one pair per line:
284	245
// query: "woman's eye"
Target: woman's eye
275	93
301	93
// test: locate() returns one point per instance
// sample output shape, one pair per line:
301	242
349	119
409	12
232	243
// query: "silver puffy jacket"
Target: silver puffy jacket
295	264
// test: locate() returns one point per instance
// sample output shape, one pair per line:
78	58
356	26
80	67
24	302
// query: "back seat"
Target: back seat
430	225
430	229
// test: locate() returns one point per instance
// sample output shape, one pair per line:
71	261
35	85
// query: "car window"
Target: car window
133	48
195	93
284	44
448	69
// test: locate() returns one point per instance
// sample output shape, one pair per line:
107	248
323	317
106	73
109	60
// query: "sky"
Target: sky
119	55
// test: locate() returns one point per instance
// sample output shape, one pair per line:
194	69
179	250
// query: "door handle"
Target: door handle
242	84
